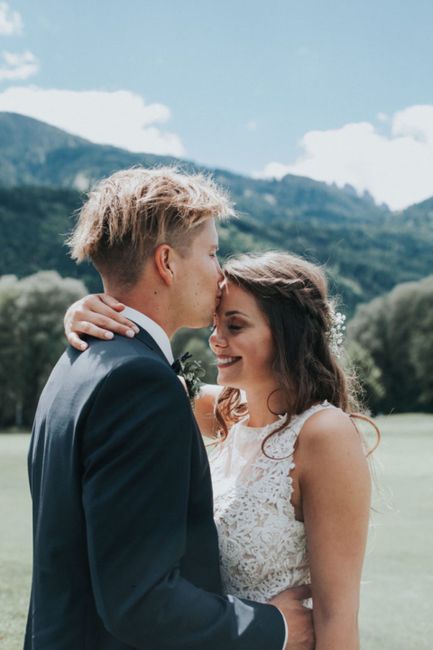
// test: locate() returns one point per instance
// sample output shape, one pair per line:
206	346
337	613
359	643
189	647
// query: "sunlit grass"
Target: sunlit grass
398	578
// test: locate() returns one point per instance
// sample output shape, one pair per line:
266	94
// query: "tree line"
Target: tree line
389	343
31	339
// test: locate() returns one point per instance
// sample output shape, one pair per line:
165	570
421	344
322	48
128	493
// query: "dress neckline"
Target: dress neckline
243	427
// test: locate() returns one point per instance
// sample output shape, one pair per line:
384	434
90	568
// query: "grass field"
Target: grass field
397	591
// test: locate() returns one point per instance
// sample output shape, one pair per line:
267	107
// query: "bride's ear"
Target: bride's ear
165	262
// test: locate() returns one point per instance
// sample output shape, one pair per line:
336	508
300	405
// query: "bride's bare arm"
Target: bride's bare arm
204	409
335	490
97	315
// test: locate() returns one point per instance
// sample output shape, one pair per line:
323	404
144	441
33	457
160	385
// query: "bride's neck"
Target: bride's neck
264	406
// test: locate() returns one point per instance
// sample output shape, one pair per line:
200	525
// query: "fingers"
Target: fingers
106	317
94	311
106	325
97	331
94	305
76	342
91	329
111	302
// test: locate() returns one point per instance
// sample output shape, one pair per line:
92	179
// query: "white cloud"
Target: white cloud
382	117
120	118
10	21
396	168
18	66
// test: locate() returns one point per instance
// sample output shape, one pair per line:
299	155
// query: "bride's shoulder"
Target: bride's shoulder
329	428
330	450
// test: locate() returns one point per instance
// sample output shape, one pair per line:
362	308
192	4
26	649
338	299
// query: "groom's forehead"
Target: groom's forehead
208	235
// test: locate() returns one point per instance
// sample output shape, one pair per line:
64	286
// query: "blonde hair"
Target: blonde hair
129	214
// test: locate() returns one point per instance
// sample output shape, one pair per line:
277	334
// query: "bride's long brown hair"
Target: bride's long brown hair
293	296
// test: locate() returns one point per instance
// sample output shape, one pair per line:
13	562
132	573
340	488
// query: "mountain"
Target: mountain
35	153
420	214
367	248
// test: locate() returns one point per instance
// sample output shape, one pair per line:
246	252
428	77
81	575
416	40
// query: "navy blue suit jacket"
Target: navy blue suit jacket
125	546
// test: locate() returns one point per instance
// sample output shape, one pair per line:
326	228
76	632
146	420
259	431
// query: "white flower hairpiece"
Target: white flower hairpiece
336	332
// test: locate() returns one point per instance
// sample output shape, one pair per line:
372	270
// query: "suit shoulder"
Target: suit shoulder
142	372
144	365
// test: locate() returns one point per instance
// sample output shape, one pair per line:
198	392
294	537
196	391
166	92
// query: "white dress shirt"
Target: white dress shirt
160	337
156	332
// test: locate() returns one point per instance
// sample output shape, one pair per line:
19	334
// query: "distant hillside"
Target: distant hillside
35	153
364	260
420	214
367	249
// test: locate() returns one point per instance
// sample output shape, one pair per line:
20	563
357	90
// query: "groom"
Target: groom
125	547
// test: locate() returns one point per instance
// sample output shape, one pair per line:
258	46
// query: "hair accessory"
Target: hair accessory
336	332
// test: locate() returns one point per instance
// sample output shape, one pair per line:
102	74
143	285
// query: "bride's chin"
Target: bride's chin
226	381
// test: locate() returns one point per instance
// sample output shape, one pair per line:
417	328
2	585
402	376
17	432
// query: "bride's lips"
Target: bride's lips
226	361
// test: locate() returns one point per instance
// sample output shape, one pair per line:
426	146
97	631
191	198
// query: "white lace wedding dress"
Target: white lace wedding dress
262	546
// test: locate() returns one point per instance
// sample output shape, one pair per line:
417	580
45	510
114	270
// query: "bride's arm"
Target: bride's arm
204	409
99	315
335	490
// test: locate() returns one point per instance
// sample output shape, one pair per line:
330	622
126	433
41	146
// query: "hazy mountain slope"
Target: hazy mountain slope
35	153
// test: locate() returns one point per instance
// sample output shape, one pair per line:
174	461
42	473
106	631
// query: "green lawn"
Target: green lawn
397	592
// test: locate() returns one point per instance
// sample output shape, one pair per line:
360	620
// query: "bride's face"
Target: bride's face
242	341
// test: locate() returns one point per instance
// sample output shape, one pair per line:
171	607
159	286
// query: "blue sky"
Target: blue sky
340	91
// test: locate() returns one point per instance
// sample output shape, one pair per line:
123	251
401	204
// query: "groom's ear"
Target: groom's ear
165	262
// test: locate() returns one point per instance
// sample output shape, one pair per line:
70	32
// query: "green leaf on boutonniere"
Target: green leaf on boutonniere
193	373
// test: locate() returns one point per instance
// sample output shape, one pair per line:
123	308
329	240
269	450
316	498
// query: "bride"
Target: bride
289	469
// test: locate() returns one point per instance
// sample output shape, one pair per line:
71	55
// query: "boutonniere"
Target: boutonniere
192	372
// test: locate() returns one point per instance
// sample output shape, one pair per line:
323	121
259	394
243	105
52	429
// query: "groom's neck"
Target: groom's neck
152	301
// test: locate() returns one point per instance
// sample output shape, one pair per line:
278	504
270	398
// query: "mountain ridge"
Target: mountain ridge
32	149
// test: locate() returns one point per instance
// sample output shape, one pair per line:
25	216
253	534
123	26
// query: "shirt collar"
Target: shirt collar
156	332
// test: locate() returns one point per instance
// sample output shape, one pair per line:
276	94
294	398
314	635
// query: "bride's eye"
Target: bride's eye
234	328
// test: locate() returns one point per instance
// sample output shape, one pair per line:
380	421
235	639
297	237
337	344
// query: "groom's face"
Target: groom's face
198	279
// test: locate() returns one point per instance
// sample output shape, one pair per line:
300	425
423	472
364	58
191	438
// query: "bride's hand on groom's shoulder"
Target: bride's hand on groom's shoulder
299	618
98	315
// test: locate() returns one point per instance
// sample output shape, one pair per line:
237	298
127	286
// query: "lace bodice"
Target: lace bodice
262	546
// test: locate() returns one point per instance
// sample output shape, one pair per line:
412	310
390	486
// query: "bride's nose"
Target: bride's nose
217	340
